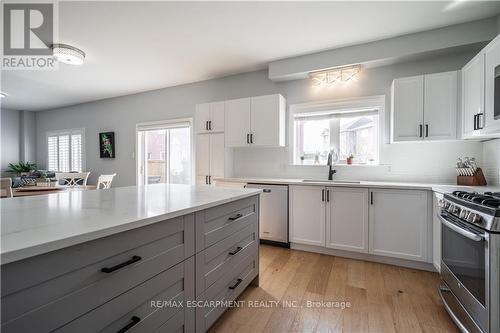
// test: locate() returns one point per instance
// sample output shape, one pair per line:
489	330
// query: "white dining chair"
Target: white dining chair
104	181
72	179
6	188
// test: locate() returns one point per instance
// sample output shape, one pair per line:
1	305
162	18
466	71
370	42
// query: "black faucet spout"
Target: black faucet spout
331	172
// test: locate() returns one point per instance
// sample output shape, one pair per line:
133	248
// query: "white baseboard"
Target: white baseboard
425	266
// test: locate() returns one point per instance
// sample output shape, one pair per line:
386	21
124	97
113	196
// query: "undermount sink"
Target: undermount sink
330	181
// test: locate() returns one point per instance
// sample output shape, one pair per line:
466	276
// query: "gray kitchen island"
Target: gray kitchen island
156	258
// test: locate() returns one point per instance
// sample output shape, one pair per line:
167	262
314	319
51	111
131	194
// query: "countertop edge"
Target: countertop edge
28	252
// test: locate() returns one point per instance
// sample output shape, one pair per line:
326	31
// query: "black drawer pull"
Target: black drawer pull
234	286
266	190
133	321
123	264
237	216
238	249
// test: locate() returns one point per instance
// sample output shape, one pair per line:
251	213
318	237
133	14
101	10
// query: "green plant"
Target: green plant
302	157
350	157
22	167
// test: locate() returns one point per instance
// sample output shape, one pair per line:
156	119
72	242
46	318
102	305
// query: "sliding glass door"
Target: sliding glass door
164	153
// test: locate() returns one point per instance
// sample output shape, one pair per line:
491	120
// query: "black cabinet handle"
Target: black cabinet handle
420	130
238	249
123	264
206	125
133	321
234	218
251	137
328	195
210	125
479	125
323	195
236	284
426	130
209	180
475	122
206	180
371	198
248	138
266	190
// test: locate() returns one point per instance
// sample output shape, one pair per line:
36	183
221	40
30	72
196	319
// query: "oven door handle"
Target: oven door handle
463	232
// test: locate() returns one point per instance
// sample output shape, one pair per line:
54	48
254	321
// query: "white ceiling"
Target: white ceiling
138	46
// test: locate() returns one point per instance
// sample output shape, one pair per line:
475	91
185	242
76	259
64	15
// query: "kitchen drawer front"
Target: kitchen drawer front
221	258
179	323
221	291
215	224
73	294
175	285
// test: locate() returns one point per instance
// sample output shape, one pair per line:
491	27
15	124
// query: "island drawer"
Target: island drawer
57	300
147	307
214	301
215	224
221	258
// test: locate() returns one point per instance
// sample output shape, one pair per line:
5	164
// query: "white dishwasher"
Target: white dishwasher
273	213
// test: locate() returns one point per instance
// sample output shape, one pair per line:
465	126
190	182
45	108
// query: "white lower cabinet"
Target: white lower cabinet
347	219
307	215
398	223
436	232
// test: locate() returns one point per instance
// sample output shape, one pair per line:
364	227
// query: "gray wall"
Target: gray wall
422	161
18	137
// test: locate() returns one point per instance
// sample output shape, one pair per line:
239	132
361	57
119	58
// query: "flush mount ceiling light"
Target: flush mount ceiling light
330	76
68	54
3	94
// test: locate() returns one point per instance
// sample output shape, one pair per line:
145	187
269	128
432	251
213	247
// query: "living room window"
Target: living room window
348	128
65	150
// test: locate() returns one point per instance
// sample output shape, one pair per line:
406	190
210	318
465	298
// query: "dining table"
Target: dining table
30	190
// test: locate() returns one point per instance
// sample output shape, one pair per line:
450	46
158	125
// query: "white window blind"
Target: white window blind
65	150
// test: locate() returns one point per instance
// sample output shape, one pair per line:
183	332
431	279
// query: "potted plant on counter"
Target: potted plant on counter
349	159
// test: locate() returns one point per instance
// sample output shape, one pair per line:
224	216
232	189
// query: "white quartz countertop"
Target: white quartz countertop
441	188
39	224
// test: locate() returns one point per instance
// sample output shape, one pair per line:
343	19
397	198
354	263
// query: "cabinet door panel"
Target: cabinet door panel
436	233
237	122
492	60
407	108
347	219
440	106
472	93
217	155
398	223
201	117
265	120
307	215
217	114
202	154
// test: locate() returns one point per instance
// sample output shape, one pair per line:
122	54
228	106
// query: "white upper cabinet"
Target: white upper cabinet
210	157
472	95
347	218
256	121
209	117
491	61
478	93
424	107
268	121
238	122
307	215
440	106
398	224
407	108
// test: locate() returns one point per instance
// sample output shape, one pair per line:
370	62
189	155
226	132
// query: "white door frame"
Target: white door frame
164	124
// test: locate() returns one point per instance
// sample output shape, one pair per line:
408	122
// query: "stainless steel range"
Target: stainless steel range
470	260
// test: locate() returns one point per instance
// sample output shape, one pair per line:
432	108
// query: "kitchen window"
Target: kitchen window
347	128
65	150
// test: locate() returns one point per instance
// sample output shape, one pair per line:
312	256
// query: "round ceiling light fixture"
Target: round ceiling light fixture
68	54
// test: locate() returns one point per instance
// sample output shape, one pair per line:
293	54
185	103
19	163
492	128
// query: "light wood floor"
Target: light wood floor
383	298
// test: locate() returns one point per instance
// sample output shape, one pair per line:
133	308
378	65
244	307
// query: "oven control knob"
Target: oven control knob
455	210
464	214
475	218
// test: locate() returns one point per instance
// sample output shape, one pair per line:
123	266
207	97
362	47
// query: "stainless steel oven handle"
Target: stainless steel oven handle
463	232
